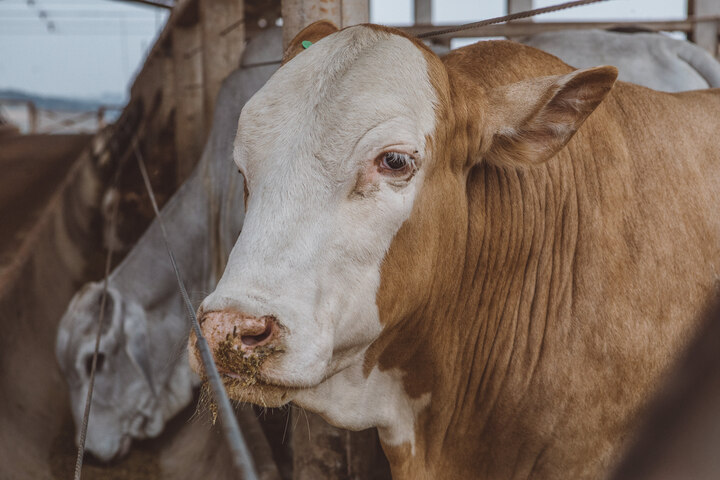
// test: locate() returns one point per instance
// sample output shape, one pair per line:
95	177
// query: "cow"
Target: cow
651	59
143	378
160	306
491	257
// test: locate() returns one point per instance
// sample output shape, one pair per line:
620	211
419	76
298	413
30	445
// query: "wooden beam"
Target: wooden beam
189	98
705	34
223	39
298	14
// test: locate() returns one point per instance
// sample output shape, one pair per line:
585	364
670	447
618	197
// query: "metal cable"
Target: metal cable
101	320
241	455
507	18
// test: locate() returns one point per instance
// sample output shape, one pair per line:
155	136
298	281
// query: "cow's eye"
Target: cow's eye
395	160
396	163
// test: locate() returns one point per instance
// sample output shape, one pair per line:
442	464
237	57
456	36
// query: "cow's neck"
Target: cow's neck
499	313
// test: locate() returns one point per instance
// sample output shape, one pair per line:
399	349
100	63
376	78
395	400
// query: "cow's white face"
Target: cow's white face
336	154
132	397
124	405
333	148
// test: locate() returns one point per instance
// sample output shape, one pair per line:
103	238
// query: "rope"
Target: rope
101	320
241	455
507	18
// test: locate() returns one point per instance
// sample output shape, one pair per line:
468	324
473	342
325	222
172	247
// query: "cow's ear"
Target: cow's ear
307	36
530	121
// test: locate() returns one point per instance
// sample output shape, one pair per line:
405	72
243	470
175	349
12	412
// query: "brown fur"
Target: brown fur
539	305
544	283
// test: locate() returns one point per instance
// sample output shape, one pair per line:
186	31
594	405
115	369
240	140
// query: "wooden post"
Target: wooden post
514	6
423	12
298	14
223	31
168	87
423	16
321	452
324	452
189	101
100	118
32	117
705	34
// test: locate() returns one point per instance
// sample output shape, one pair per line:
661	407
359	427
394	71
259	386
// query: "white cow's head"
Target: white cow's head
131	399
342	148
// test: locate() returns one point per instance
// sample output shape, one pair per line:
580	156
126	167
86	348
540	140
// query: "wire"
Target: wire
91	385
507	18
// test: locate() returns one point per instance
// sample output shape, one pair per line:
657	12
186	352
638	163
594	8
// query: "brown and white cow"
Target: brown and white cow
492	257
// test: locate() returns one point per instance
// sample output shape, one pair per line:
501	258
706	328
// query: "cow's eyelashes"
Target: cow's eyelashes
395	163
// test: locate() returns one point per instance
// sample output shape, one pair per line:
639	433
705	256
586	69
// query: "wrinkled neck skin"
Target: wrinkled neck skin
479	351
535	325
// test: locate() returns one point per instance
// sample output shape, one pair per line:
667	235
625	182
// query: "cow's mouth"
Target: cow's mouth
241	374
255	390
243	366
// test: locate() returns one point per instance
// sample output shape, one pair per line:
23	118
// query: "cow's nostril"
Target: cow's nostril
98	367
253	340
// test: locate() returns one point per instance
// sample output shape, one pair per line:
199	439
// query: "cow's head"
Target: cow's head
356	154
132	397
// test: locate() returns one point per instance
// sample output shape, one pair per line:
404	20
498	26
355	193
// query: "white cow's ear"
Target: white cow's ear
530	121
307	36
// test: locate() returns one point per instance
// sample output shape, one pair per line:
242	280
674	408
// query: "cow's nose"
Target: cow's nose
244	333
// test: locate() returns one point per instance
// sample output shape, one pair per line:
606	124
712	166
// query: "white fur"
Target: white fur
311	249
136	391
357	402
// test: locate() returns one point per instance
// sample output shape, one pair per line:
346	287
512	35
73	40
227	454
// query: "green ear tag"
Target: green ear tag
306	43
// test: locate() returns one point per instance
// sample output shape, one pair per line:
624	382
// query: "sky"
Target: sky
93	48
